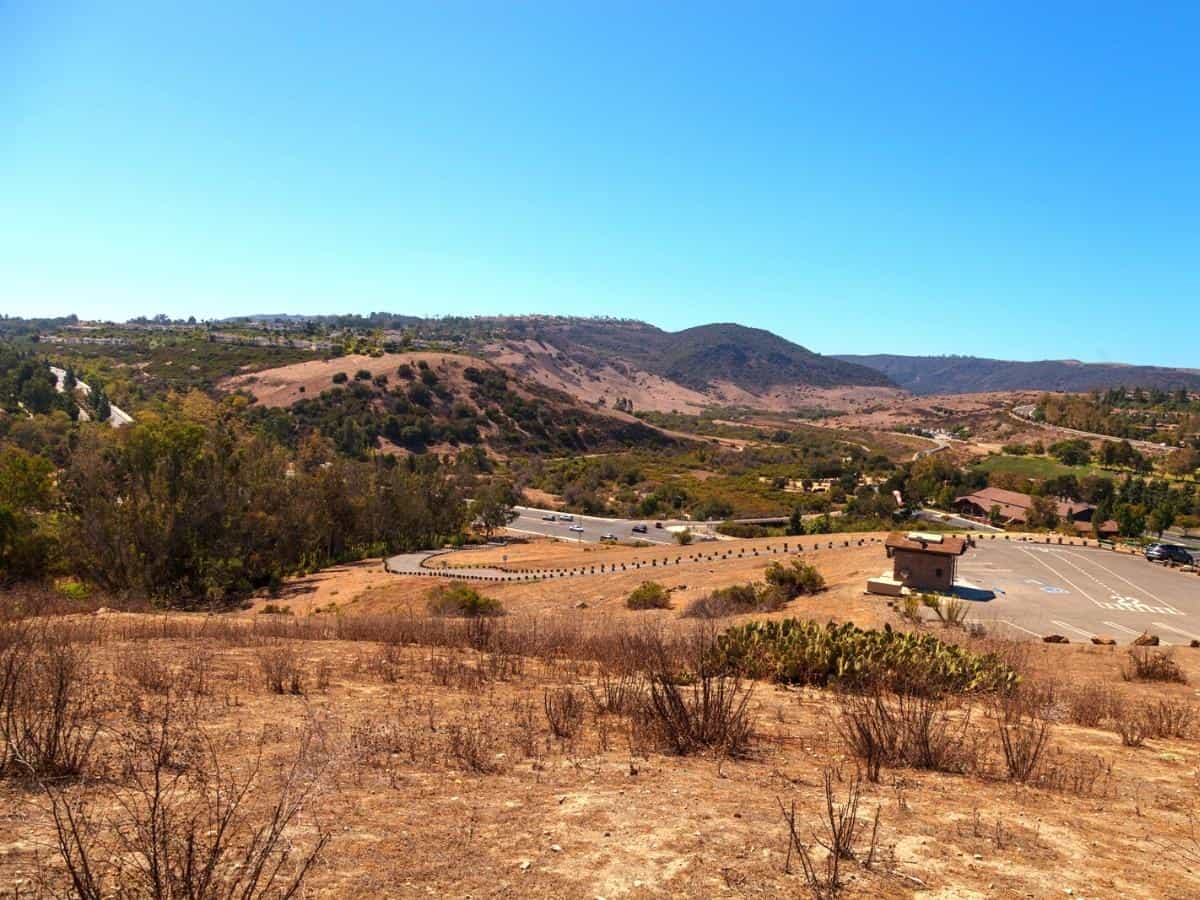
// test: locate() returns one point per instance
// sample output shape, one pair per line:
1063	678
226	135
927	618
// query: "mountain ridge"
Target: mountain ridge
974	375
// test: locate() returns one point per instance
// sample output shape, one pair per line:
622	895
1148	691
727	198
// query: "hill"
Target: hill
622	363
972	375
413	402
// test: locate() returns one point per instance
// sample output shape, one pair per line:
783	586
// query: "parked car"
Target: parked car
550	518
639	528
1168	553
576	528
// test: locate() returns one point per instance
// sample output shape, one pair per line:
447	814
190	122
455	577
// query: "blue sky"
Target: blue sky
1000	179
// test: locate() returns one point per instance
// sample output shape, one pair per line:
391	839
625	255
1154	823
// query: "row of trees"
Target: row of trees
182	511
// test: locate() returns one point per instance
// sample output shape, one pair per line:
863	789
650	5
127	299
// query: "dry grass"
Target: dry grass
447	754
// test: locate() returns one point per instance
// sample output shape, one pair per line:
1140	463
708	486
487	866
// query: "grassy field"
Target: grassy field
1034	467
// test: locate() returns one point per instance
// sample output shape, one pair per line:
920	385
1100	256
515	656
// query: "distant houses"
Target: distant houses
1012	508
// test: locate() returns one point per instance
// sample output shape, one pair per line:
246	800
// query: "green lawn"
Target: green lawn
1035	467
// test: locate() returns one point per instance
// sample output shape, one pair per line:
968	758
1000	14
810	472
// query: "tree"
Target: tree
683	537
1162	517
101	407
494	506
995	517
1131	520
1043	513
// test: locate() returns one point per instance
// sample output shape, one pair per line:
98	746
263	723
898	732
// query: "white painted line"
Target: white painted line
1018	627
1069	627
1122	628
1134	633
1187	634
1130	583
1060	575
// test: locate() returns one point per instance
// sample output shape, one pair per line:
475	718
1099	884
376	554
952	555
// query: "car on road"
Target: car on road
639	528
1168	553
566	517
608	537
658	524
578	528
551	517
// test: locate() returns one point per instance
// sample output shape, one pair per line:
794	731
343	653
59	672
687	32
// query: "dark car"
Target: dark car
638	529
1168	553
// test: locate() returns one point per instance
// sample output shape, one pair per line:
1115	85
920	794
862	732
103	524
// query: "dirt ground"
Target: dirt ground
594	814
434	768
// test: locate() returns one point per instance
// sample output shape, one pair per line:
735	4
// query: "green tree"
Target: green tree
494	506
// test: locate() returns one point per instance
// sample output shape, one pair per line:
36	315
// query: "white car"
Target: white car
608	537
576	528
566	517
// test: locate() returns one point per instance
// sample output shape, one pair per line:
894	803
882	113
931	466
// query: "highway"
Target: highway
531	520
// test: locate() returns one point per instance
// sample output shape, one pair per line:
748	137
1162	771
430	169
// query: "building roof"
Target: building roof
942	545
1014	505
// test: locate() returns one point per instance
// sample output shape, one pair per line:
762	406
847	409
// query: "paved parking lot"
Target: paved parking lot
1080	592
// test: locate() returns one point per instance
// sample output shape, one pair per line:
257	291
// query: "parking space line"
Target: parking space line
1122	628
1130	583
1018	627
1070	627
1187	634
1134	633
1061	575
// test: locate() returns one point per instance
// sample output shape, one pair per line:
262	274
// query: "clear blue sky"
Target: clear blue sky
1002	179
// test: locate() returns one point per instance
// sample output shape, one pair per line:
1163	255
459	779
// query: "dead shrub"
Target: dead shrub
915	730
564	712
710	713
48	708
472	745
1090	704
871	730
838	834
1165	718
616	694
1130	724
281	669
141	666
1079	775
1023	736
1152	665
185	831
387	664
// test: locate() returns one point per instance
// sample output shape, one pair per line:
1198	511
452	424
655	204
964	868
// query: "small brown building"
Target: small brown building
923	561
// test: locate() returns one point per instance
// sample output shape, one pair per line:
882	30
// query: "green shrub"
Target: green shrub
649	595
72	588
735	600
684	537
340	378
362	375
795	579
276	609
458	600
792	651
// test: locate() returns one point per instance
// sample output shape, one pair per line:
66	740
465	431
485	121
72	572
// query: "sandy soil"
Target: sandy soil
598	814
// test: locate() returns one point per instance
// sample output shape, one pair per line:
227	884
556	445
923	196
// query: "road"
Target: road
1080	592
530	520
1024	413
936	515
117	417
